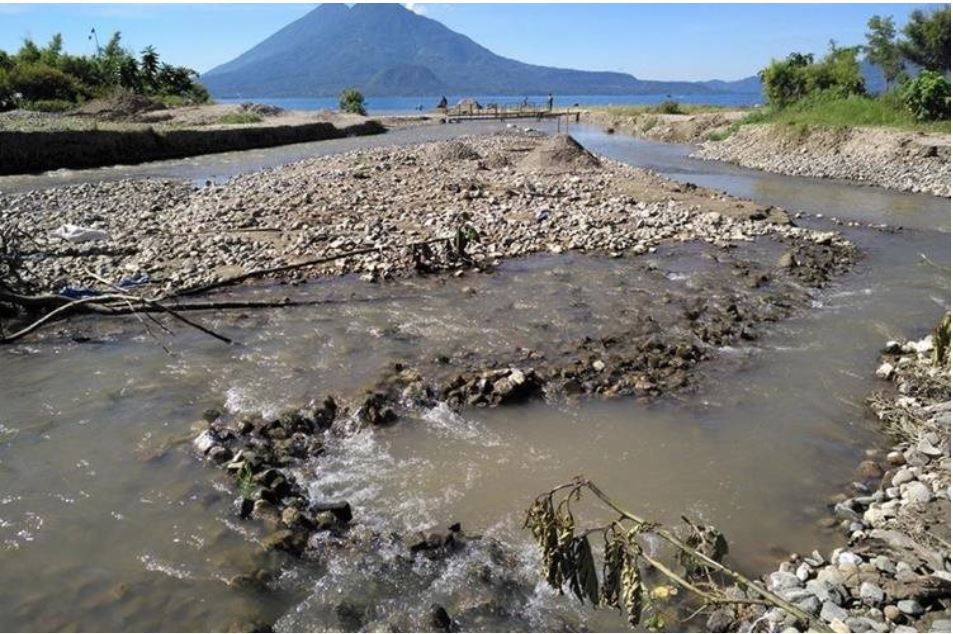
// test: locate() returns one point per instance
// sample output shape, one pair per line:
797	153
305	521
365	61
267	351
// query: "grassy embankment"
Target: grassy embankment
848	112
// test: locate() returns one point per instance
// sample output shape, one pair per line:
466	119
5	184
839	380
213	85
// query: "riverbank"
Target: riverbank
893	573
692	127
893	159
56	148
902	160
136	130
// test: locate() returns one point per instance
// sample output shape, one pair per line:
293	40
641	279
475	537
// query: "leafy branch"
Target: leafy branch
568	561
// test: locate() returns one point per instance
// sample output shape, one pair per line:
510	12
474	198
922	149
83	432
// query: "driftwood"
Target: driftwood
123	303
242	277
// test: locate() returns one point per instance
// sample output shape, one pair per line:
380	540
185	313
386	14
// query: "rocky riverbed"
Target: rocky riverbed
904	161
520	193
893	573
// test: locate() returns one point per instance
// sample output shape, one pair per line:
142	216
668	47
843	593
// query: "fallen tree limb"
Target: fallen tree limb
237	279
162	307
69	306
123	303
567	560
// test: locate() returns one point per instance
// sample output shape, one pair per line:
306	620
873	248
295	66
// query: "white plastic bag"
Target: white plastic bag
75	233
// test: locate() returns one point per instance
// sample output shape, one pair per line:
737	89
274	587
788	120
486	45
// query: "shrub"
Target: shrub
238	118
8	97
785	81
352	101
927	96
792	79
36	82
669	106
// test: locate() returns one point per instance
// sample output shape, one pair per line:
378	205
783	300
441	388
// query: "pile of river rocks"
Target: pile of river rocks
261	455
377	200
891	159
893	575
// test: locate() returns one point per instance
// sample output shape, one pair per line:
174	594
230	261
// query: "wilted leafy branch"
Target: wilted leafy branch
568	561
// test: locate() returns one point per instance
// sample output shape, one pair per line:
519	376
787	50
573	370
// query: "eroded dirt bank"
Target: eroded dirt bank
668	128
893	159
904	161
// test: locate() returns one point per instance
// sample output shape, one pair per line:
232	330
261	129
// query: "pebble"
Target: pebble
831	611
871	594
902	476
910	607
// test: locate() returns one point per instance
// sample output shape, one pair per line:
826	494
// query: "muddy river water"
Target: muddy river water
108	520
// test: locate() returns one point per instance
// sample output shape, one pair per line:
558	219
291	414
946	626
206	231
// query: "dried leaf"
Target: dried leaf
632	589
585	582
612	569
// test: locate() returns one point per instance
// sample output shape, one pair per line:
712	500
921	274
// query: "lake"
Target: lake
393	105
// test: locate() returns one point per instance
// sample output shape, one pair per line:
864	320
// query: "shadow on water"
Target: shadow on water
107	520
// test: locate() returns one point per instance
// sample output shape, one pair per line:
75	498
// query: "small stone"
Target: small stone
868	470
926	448
848	558
204	441
885	371
883	563
896	458
910	607
598	365
839	626
902	477
831	611
783	580
892	613
871	593
803	571
917	492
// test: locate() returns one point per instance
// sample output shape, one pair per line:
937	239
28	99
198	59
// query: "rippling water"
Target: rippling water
108	522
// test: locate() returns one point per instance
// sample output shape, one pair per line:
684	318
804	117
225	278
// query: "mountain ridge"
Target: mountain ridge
386	50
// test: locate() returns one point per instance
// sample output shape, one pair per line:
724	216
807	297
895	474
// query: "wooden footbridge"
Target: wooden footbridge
469	109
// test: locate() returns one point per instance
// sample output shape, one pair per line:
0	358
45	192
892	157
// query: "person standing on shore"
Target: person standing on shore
549	102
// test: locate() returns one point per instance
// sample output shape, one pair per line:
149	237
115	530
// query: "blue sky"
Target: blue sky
649	41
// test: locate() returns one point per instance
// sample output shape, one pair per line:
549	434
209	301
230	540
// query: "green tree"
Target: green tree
129	74
149	63
882	48
175	80
837	74
927	42
927	96
29	52
53	51
352	101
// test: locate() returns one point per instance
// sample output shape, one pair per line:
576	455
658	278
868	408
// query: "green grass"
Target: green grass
238	118
854	111
49	105
683	108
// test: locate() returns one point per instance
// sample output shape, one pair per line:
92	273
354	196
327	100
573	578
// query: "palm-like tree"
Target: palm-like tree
149	63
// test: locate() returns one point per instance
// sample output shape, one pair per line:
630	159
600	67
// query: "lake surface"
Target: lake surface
405	105
108	521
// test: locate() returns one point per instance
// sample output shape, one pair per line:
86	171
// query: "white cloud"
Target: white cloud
416	7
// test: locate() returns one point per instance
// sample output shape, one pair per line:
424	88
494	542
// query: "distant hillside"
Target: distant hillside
386	50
